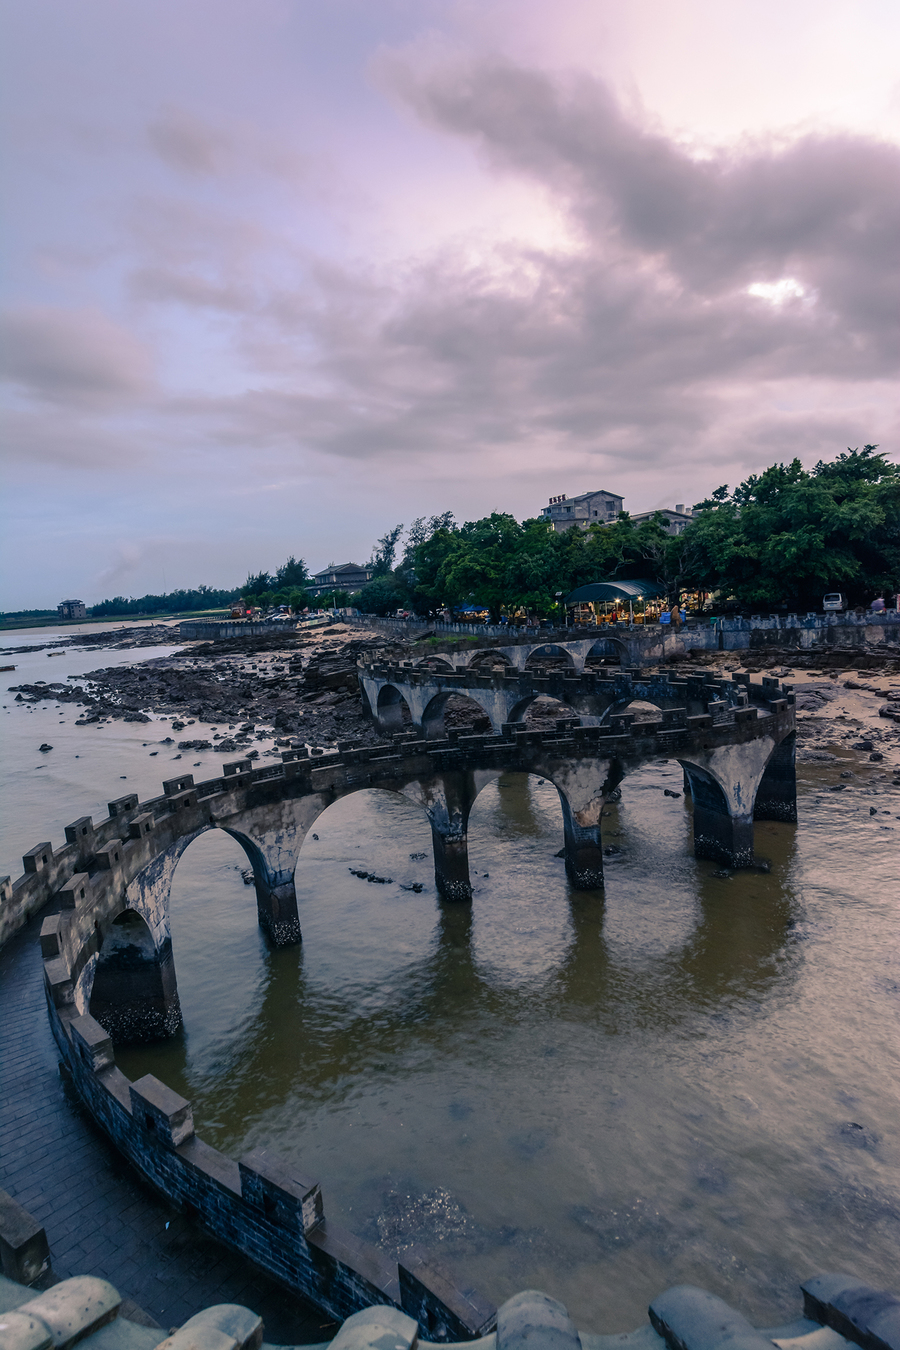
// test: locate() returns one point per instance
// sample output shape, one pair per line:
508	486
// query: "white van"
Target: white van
834	601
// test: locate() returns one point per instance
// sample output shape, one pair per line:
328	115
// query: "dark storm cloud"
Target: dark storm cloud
632	344
828	205
639	341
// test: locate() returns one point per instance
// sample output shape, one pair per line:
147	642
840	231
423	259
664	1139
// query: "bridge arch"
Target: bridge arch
549	650
435	662
392	712
433	715
605	649
644	709
719	833
519	711
488	656
134	995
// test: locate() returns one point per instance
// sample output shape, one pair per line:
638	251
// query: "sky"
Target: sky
280	274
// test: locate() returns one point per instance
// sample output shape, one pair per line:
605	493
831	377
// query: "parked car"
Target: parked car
833	602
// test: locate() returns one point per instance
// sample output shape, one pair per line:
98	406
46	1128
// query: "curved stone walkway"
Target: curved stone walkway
99	1217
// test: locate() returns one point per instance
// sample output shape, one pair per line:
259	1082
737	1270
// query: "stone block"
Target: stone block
868	1317
140	826
283	1199
73	1309
244	1327
378	1328
162	1112
59	982
92	1043
237	767
37	858
80	832
75	891
198	1338
50	933
173	786
24	1331
5	889
24	1252
691	1319
182	801
122	804
534	1321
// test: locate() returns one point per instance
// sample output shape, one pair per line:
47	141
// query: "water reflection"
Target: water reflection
548	1084
410	970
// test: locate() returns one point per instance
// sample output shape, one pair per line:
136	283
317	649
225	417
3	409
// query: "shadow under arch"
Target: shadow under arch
607	649
134	995
519	711
488	656
434	714
582	847
539	657
733	955
712	815
392	710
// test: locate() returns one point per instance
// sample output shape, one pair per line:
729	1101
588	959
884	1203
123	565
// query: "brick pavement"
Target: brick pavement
100	1218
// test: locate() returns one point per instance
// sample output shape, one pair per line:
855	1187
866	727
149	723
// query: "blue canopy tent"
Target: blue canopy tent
612	591
616	590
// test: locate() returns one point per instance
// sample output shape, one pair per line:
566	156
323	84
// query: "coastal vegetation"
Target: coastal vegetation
778	540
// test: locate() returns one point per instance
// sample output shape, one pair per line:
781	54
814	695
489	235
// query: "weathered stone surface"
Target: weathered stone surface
24	1252
869	1317
534	1321
72	1309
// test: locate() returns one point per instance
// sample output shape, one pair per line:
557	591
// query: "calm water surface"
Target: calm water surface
691	1078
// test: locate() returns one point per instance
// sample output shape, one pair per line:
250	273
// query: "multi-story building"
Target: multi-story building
339	577
71	609
589	508
674	521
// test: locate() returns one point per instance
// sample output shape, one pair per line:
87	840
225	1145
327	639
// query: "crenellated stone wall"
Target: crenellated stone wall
253	1205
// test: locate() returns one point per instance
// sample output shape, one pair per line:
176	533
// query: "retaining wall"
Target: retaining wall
253	1205
807	632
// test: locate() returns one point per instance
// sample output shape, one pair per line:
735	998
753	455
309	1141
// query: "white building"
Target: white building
589	508
674	521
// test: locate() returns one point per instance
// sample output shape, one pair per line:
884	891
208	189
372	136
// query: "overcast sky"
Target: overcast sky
282	273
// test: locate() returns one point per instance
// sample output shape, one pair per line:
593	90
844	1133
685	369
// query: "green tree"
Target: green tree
787	535
381	596
291	573
382	559
255	583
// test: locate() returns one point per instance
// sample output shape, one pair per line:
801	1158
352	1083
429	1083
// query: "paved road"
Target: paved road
100	1218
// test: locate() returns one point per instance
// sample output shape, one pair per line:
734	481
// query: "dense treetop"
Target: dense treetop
781	539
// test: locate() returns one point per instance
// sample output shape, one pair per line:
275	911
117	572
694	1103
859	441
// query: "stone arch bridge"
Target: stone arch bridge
107	951
107	944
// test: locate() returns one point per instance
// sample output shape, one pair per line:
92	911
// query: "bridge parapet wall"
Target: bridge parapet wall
253	1205
120	870
138	831
651	642
591	694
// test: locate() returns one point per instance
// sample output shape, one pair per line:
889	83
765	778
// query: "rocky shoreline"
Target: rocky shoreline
291	688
